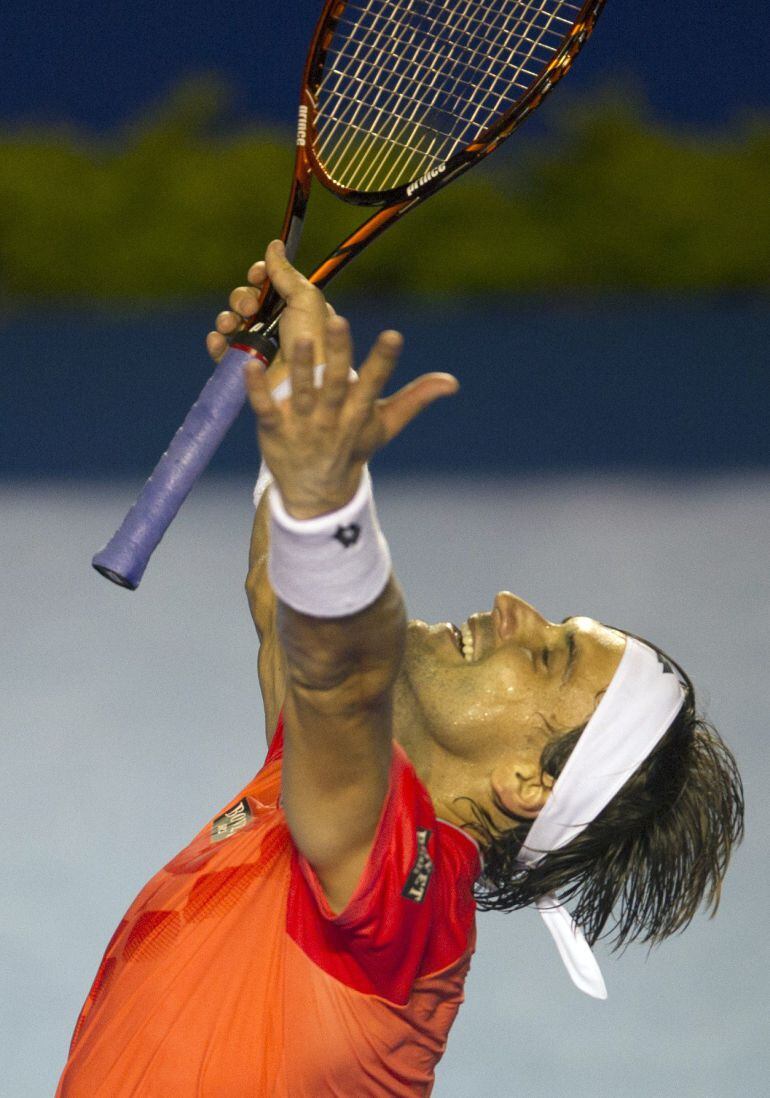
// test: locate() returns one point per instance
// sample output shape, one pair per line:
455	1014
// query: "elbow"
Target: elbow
355	660
346	684
362	691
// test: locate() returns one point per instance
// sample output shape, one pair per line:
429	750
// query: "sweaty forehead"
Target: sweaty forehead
593	630
597	651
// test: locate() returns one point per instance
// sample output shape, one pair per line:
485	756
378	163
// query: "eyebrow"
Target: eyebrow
571	654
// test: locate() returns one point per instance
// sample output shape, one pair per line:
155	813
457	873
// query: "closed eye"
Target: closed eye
571	654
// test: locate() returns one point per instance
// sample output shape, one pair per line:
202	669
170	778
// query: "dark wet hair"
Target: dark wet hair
660	848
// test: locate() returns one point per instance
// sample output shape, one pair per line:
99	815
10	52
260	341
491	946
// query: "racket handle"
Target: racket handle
126	555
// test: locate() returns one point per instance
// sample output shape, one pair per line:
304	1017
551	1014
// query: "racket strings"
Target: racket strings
437	22
371	56
449	118
437	153
450	108
409	82
428	68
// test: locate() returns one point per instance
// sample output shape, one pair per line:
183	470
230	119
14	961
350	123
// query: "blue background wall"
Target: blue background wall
647	383
100	64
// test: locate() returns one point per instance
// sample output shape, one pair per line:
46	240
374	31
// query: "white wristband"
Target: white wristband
281	392
333	565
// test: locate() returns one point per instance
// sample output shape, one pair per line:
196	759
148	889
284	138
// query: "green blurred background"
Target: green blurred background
171	204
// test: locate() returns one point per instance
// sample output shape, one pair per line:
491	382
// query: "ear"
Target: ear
522	787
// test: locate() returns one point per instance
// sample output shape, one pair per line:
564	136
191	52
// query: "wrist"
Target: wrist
331	565
314	501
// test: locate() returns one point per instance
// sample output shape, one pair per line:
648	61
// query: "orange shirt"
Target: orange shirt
229	974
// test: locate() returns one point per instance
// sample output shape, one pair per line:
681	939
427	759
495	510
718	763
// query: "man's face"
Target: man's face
508	680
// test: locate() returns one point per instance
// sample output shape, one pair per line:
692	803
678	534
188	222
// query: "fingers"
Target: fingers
216	345
258	392
228	322
339	357
379	365
408	402
257	273
244	301
286	279
303	395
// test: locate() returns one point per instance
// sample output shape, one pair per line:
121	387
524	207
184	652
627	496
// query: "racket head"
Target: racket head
400	96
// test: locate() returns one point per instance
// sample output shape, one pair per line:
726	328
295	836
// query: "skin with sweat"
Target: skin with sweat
476	725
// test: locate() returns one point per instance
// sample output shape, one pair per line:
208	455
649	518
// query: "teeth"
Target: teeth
467	642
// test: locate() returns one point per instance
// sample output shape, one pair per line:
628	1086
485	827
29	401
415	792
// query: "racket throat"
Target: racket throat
293	235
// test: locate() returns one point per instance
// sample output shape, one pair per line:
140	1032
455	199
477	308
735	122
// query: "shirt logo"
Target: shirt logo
417	882
231	821
348	535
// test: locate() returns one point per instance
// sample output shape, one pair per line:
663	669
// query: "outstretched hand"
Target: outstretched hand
316	441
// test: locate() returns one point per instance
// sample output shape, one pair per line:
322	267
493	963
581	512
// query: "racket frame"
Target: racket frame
399	200
125	557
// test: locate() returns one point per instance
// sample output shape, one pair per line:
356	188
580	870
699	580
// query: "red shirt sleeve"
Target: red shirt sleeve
409	890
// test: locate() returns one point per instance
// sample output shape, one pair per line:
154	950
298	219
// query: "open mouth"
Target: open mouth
463	638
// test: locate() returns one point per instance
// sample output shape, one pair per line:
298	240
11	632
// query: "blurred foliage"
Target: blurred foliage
176	207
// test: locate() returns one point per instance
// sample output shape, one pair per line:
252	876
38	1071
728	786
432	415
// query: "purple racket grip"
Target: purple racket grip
125	556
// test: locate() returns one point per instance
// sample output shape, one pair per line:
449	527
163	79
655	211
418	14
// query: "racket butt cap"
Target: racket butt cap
113	576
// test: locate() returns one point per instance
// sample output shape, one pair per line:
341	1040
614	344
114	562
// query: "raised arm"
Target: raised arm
306	312
340	667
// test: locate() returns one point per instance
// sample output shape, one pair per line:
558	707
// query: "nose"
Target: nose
515	617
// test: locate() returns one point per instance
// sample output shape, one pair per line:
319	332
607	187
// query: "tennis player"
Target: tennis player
314	937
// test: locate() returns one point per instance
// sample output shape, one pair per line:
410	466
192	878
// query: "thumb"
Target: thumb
403	406
286	279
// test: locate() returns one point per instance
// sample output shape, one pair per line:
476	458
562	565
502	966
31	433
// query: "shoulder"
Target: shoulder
412	911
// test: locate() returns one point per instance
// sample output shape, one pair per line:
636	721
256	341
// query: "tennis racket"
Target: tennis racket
398	98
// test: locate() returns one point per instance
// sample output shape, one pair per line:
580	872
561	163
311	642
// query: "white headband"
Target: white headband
637	709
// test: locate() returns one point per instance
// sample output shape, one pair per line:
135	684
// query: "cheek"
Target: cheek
460	704
494	694
484	701
497	699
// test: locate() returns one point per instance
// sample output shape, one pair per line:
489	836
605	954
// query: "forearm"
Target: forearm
340	674
260	594
341	626
258	590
